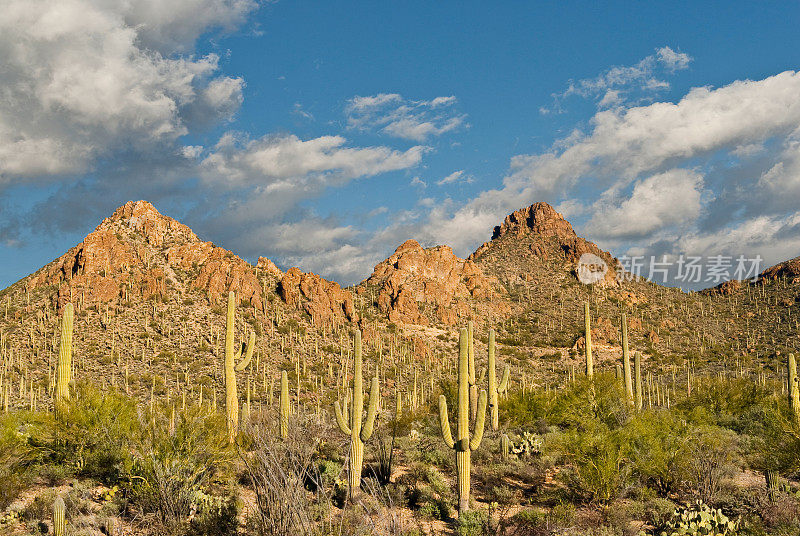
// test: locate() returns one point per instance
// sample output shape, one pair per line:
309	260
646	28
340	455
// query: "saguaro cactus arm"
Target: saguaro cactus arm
341	419
503	387
444	421
251	343
477	433
372	410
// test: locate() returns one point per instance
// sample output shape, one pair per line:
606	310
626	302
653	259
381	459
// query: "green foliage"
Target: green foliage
171	474
92	432
595	455
471	523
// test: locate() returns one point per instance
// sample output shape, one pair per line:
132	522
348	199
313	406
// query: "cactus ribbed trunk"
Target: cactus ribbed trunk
463	445
637	365
588	340
626	361
231	397
504	446
64	370
794	386
284	405
494	388
59	517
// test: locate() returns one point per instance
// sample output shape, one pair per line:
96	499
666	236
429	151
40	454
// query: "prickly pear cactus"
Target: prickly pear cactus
699	519
528	445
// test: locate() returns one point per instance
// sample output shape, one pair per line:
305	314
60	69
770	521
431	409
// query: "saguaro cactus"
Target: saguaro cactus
463	445
351	424
637	364
231	368
505	446
283	414
59	517
626	361
794	386
64	370
495	389
588	340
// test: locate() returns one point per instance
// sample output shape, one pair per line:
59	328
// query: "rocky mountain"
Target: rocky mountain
149	298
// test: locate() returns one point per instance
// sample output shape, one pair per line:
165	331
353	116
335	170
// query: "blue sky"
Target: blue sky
324	134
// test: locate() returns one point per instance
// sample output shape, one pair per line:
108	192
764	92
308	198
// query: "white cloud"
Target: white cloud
82	79
672	60
285	161
396	116
416	181
615	85
456	176
656	204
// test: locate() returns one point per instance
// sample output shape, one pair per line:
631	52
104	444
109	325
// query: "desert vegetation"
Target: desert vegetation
617	446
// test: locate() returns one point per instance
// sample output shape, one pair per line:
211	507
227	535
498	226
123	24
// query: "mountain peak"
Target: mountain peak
143	218
539	234
539	218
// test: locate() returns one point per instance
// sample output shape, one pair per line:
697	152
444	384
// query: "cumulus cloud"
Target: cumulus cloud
82	79
615	85
657	203
393	115
279	161
663	172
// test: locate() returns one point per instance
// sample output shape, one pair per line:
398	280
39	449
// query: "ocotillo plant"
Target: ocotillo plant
588	341
637	364
463	445
59	517
494	389
626	361
63	372
231	368
358	433
283	413
794	386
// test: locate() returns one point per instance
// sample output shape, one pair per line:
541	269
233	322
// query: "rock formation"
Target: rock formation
414	281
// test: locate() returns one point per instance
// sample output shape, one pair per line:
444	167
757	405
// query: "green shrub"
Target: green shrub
170	474
94	433
471	523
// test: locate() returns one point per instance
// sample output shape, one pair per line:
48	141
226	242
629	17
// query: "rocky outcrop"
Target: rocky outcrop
413	281
267	266
136	253
789	270
323	300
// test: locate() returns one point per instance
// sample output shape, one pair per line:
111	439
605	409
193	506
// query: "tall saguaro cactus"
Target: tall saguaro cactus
350	424
494	388
231	368
64	370
588	340
284	405
637	364
794	386
626	361
463	445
